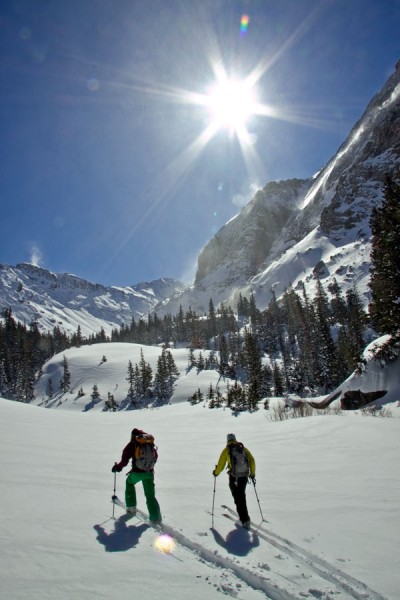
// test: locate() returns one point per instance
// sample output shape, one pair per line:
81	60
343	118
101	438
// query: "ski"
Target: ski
232	514
139	513
229	509
255	529
237	522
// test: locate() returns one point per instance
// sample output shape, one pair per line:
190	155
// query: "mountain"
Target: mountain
293	230
64	300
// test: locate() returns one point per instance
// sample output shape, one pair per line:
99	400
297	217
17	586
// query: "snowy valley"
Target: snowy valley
325	516
328	488
200	239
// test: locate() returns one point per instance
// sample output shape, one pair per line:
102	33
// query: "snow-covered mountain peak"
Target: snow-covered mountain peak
37	295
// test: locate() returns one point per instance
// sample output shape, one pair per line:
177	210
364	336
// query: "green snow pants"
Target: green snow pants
149	491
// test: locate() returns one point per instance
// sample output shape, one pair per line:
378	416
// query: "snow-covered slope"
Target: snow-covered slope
35	294
87	368
328	489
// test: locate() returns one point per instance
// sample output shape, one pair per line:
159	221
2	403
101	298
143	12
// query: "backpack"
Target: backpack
239	461
145	456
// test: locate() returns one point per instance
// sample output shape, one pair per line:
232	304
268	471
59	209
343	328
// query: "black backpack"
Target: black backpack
239	461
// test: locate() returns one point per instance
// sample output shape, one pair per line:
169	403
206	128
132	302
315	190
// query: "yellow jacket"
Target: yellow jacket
225	457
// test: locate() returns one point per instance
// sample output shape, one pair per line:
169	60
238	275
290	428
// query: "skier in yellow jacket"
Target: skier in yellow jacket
241	465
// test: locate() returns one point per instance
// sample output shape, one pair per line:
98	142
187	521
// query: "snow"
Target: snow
348	263
328	488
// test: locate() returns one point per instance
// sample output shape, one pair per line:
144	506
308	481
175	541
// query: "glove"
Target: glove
253	479
116	468
214	473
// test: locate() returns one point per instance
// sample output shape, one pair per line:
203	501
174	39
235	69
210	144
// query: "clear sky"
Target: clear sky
132	130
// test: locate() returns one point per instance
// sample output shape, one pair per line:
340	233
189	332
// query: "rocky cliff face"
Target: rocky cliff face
241	246
349	185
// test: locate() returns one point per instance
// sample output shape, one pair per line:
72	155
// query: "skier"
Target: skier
241	465
136	474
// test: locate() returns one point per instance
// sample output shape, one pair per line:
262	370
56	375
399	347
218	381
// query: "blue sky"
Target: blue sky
111	163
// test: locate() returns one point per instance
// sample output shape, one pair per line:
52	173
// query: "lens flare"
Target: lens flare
164	543
244	23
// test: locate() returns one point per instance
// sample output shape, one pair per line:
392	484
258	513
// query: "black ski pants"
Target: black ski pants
237	485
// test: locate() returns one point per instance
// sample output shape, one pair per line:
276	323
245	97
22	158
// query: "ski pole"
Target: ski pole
213	502
114	494
254	484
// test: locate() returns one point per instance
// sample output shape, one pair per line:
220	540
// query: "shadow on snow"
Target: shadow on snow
123	537
239	541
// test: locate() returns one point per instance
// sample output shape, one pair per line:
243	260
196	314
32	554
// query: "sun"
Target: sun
231	103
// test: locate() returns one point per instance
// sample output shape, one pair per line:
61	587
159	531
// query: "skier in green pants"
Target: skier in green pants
143	453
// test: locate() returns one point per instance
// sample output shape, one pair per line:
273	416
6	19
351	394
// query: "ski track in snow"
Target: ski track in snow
321	567
346	585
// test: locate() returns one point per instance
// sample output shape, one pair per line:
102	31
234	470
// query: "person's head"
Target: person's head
134	433
231	437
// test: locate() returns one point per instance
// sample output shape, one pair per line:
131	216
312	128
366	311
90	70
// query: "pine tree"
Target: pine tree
326	360
65	382
278	379
200	362
337	304
271	327
137	384
180	326
385	261
254	313
243	307
191	360
211	397
266	381
251	362
131	379
146	375
212	321
76	338
95	395
223	356
355	326
165	376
